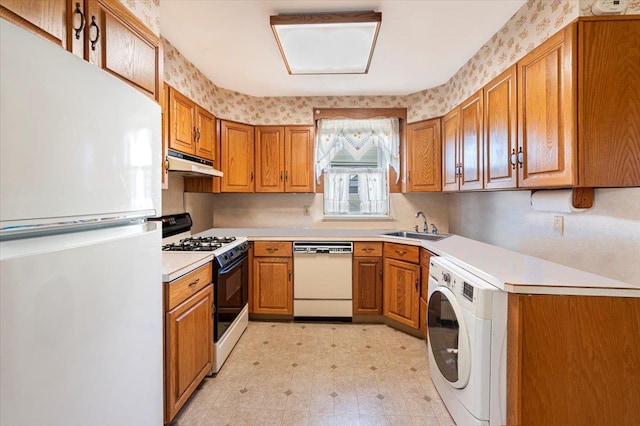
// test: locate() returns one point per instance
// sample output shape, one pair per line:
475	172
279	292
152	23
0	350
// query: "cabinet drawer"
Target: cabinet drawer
184	287
272	248
367	249
402	252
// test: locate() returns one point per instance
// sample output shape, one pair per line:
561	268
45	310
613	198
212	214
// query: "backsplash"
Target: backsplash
286	211
604	240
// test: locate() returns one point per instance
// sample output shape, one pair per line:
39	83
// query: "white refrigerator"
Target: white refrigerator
80	267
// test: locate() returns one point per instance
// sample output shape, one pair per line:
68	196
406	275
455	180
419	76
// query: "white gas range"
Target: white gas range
182	253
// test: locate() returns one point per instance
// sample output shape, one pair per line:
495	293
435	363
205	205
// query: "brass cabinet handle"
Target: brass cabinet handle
380	274
82	21
94	41
408	175
513	159
367	249
417	285
272	249
281	173
401	252
251	176
195	282
286	176
289	274
166	163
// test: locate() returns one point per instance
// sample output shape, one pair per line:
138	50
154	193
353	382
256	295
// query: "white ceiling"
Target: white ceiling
421	44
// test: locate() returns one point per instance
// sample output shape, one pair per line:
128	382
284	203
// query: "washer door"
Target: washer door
448	337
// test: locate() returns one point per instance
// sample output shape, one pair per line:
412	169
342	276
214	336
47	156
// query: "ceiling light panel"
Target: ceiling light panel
327	43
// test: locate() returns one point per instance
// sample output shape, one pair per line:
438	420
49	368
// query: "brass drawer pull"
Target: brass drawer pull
195	282
272	249
367	249
401	252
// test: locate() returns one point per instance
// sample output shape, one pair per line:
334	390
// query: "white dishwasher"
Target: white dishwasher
322	286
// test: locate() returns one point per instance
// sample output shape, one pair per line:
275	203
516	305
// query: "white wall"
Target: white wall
286	211
200	206
604	239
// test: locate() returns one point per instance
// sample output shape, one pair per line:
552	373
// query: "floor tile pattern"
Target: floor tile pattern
320	374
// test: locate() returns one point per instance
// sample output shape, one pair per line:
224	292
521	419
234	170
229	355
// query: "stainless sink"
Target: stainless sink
417	235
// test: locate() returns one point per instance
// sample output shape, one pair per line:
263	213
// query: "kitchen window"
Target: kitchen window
354	157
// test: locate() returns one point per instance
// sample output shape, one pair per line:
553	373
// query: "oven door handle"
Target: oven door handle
230	267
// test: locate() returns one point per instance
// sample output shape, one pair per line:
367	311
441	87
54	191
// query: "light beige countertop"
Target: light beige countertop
508	270
177	263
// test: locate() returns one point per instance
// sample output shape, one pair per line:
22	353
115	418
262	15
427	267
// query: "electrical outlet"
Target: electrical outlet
558	225
305	210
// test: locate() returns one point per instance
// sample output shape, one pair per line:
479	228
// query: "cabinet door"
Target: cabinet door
471	142
450	146
269	159
182	124
165	135
546	113
367	285
205	134
424	156
401	291
609	102
120	44
51	19
500	131
189	350
236	157
299	171
273	285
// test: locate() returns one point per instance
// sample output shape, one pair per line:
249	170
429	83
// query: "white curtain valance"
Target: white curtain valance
357	137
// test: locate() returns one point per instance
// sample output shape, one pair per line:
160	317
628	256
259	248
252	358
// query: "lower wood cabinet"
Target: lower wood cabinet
425	256
577	357
367	278
401	289
188	337
272	278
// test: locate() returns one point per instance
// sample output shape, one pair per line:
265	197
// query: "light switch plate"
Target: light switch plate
558	225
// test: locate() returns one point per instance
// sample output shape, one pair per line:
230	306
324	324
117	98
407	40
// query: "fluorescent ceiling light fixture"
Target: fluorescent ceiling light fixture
327	43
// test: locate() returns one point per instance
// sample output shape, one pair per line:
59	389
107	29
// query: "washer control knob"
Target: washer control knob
446	277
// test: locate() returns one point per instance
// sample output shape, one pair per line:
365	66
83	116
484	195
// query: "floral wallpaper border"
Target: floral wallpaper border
533	23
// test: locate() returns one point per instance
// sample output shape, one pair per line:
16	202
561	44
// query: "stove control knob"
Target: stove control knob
446	277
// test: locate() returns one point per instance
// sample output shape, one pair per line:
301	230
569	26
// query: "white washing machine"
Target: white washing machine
466	323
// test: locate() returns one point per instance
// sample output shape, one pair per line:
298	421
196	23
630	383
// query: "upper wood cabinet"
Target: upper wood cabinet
269	158
423	158
164	102
471	142
192	129
104	32
298	151
284	158
462	146
51	19
237	157
546	113
609	101
500	126
450	148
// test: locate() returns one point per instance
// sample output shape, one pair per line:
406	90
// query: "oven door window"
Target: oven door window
448	337
231	295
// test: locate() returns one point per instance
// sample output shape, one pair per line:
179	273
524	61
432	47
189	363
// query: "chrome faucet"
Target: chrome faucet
425	228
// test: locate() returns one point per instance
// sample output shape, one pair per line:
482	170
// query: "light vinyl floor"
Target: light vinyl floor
320	374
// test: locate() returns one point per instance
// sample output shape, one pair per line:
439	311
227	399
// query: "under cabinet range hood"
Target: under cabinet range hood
188	165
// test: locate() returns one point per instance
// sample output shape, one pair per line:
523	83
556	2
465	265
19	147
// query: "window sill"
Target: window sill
351	218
